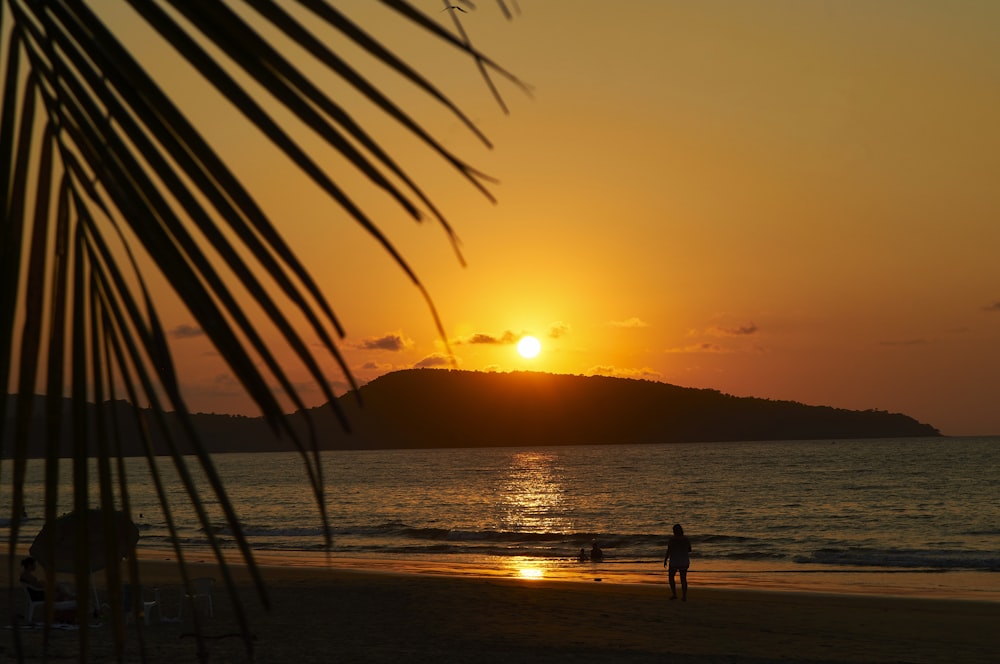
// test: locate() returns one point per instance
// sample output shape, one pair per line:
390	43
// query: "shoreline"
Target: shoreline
969	585
319	614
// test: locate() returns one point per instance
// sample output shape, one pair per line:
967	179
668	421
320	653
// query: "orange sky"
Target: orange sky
783	199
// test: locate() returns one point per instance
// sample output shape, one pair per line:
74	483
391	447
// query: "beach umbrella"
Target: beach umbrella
62	540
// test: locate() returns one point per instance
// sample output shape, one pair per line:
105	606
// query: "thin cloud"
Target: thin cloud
226	381
339	387
558	329
394	342
507	337
629	323
704	347
738	331
220	385
434	360
377	366
619	372
302	387
186	332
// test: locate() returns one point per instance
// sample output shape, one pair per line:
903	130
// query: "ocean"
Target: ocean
899	516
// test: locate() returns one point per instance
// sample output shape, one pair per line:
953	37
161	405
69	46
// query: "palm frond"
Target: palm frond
104	180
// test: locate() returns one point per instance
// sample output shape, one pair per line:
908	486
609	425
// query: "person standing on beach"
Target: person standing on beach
678	558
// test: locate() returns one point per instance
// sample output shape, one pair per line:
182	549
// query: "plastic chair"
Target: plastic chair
36	598
149	602
203	588
33	603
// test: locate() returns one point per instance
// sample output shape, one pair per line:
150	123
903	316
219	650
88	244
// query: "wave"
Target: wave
6	523
270	531
400	538
752	555
905	558
575	538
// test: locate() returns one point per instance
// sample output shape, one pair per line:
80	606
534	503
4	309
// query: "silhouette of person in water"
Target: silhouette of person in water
582	557
678	558
596	555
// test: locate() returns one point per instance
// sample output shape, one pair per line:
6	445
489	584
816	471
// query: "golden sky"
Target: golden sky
783	199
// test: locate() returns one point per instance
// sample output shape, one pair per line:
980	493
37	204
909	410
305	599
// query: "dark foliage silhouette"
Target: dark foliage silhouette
104	182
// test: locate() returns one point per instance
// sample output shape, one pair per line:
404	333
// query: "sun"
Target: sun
529	347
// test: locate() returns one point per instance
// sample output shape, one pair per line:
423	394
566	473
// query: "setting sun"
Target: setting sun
529	347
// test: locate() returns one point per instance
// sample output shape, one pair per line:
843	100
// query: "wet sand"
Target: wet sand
354	615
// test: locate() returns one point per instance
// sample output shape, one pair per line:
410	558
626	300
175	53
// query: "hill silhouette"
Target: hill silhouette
438	408
425	408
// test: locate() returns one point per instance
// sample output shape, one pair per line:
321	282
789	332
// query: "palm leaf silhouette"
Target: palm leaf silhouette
103	179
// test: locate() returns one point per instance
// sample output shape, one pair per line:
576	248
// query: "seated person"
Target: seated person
65	604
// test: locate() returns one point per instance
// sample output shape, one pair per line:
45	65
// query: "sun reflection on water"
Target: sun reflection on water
530	496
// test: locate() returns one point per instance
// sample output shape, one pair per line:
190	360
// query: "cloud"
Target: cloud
738	331
618	372
558	329
394	342
434	360
507	337
994	308
221	385
186	332
377	366
302	387
227	382
629	323
339	386
704	347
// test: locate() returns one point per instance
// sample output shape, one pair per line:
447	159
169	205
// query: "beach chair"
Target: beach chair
203	588
149	603
36	599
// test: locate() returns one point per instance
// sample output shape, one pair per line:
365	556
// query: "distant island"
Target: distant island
428	408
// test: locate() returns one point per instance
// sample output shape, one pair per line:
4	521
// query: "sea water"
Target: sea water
906	516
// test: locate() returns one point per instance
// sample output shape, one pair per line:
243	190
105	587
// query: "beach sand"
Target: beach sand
347	615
